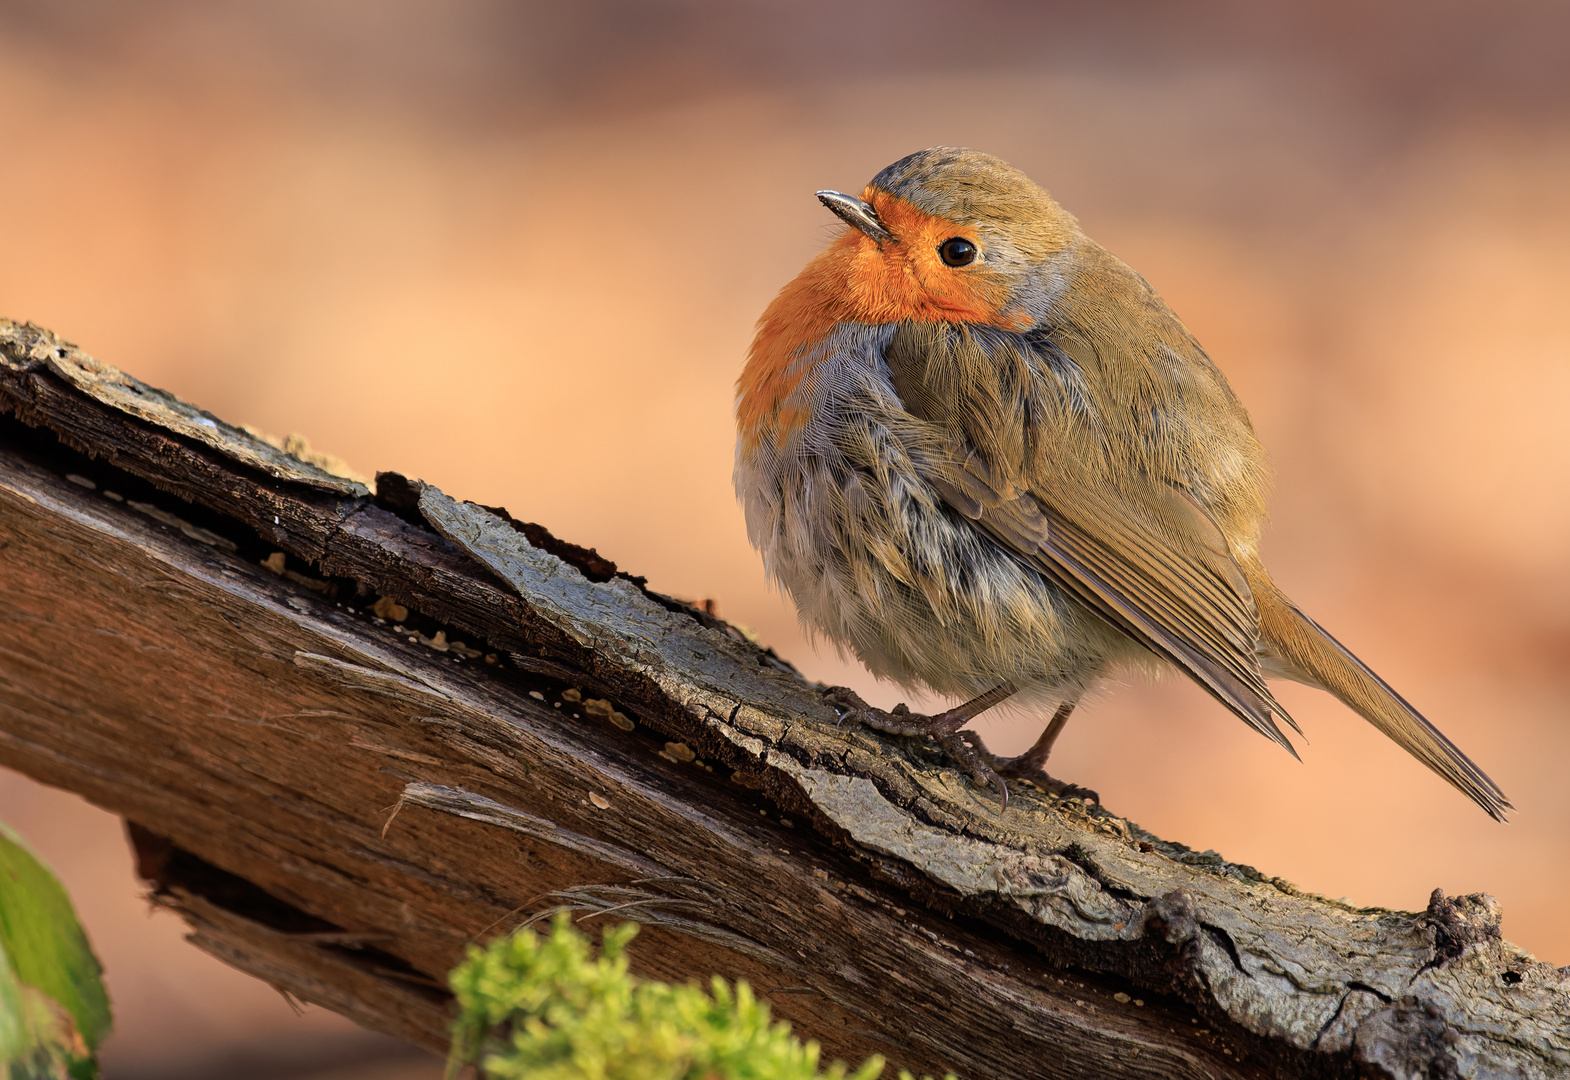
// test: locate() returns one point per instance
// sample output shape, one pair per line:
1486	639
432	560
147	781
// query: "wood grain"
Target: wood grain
340	803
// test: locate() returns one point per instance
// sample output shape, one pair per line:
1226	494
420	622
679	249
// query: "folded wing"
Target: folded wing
1189	604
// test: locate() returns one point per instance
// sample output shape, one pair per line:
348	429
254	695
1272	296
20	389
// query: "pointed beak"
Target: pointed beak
854	211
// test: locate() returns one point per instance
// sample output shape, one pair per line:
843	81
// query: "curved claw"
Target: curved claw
967	750
846	703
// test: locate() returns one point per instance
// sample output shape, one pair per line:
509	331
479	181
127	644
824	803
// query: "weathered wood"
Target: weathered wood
339	806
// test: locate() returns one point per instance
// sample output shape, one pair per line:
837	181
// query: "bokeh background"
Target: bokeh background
517	249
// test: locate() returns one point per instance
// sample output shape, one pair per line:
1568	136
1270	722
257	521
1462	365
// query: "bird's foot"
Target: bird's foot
964	748
1026	768
967	750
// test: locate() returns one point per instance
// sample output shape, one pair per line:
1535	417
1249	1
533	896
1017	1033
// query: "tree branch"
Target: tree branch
338	795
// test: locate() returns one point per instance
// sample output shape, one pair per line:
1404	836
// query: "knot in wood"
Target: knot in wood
1460	922
1172	916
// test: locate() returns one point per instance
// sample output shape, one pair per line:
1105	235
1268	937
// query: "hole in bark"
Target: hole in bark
1224	939
166	865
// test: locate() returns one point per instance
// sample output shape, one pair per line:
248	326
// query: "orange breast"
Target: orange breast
856	281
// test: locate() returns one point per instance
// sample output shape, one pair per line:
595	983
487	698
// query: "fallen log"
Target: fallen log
352	731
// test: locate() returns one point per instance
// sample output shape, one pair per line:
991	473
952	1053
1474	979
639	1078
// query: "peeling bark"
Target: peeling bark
550	731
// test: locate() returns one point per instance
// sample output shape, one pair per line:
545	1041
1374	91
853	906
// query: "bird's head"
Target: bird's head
944	235
950	235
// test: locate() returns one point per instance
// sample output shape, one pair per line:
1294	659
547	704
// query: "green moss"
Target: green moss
543	1007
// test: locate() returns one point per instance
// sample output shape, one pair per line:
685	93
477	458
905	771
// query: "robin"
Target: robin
981	453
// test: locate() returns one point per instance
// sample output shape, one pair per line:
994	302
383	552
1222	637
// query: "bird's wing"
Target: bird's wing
1142	552
1191	606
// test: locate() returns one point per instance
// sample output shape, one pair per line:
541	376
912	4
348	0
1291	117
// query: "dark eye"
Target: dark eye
957	251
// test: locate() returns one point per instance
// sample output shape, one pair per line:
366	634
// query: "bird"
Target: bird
983	455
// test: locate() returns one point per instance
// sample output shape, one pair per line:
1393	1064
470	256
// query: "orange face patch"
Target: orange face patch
857	281
907	281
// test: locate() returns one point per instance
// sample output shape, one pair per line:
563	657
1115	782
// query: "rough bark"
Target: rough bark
338	796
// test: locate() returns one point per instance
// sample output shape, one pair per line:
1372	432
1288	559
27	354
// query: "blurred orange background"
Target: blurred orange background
517	249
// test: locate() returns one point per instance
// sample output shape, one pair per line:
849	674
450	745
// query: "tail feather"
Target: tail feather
1304	651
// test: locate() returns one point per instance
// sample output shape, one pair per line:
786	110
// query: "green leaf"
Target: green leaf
51	985
38	1041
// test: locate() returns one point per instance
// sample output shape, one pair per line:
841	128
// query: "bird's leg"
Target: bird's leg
965	747
1031	764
